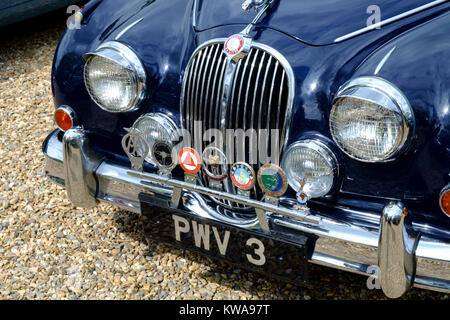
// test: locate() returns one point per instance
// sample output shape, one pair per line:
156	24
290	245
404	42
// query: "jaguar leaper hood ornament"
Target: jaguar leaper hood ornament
256	4
260	6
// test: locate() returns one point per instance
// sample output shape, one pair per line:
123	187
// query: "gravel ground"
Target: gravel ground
52	250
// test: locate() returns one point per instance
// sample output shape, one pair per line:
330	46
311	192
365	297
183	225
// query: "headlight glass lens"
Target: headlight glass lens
156	127
115	77
365	130
112	86
312	164
371	120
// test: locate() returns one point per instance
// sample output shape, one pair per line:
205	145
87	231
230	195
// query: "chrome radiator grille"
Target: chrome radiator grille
260	93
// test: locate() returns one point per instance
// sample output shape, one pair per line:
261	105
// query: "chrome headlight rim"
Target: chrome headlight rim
323	150
163	120
126	58
371	89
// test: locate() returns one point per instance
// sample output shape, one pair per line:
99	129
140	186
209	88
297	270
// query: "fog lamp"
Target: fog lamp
156	127
310	166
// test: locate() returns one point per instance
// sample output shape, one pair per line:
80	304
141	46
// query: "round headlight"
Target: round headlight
310	166
156	127
371	120
114	77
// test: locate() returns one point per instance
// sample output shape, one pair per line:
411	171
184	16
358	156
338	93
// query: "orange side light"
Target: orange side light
445	202
63	120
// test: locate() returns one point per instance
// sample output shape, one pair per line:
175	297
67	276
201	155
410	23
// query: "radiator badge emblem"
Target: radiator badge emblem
242	175
214	164
272	180
234	44
162	155
136	148
189	160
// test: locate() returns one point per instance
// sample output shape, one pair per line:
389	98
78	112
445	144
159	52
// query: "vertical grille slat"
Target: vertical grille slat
259	96
263	94
255	93
213	107
280	98
233	94
247	92
272	87
247	59
209	106
192	100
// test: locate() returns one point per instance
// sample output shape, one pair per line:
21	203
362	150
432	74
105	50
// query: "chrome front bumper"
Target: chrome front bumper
403	257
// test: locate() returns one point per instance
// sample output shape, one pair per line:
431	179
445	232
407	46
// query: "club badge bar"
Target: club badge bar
213	163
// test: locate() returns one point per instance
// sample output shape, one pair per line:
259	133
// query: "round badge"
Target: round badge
272	180
302	197
234	44
189	160
242	175
214	164
162	155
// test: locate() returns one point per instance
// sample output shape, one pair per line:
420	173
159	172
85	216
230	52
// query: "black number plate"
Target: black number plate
272	256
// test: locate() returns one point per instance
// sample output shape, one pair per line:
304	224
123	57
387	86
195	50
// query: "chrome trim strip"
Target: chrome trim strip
121	33
194	14
383	61
390	20
154	178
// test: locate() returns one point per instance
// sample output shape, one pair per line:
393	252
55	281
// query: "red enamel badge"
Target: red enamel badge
234	44
189	160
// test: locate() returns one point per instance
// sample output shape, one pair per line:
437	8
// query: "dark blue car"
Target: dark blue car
266	133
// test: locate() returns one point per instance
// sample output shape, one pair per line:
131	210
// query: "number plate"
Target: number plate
274	257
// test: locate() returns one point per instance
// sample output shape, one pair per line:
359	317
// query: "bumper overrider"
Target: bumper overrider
402	257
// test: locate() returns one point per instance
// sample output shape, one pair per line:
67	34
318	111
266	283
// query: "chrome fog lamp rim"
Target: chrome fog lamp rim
165	121
322	149
126	58
381	92
161	118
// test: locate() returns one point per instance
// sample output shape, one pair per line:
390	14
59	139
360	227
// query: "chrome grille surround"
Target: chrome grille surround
256	91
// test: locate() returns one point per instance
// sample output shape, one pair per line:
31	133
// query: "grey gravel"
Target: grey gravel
52	250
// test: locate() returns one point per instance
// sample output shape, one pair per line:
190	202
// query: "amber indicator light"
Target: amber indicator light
63	120
445	202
